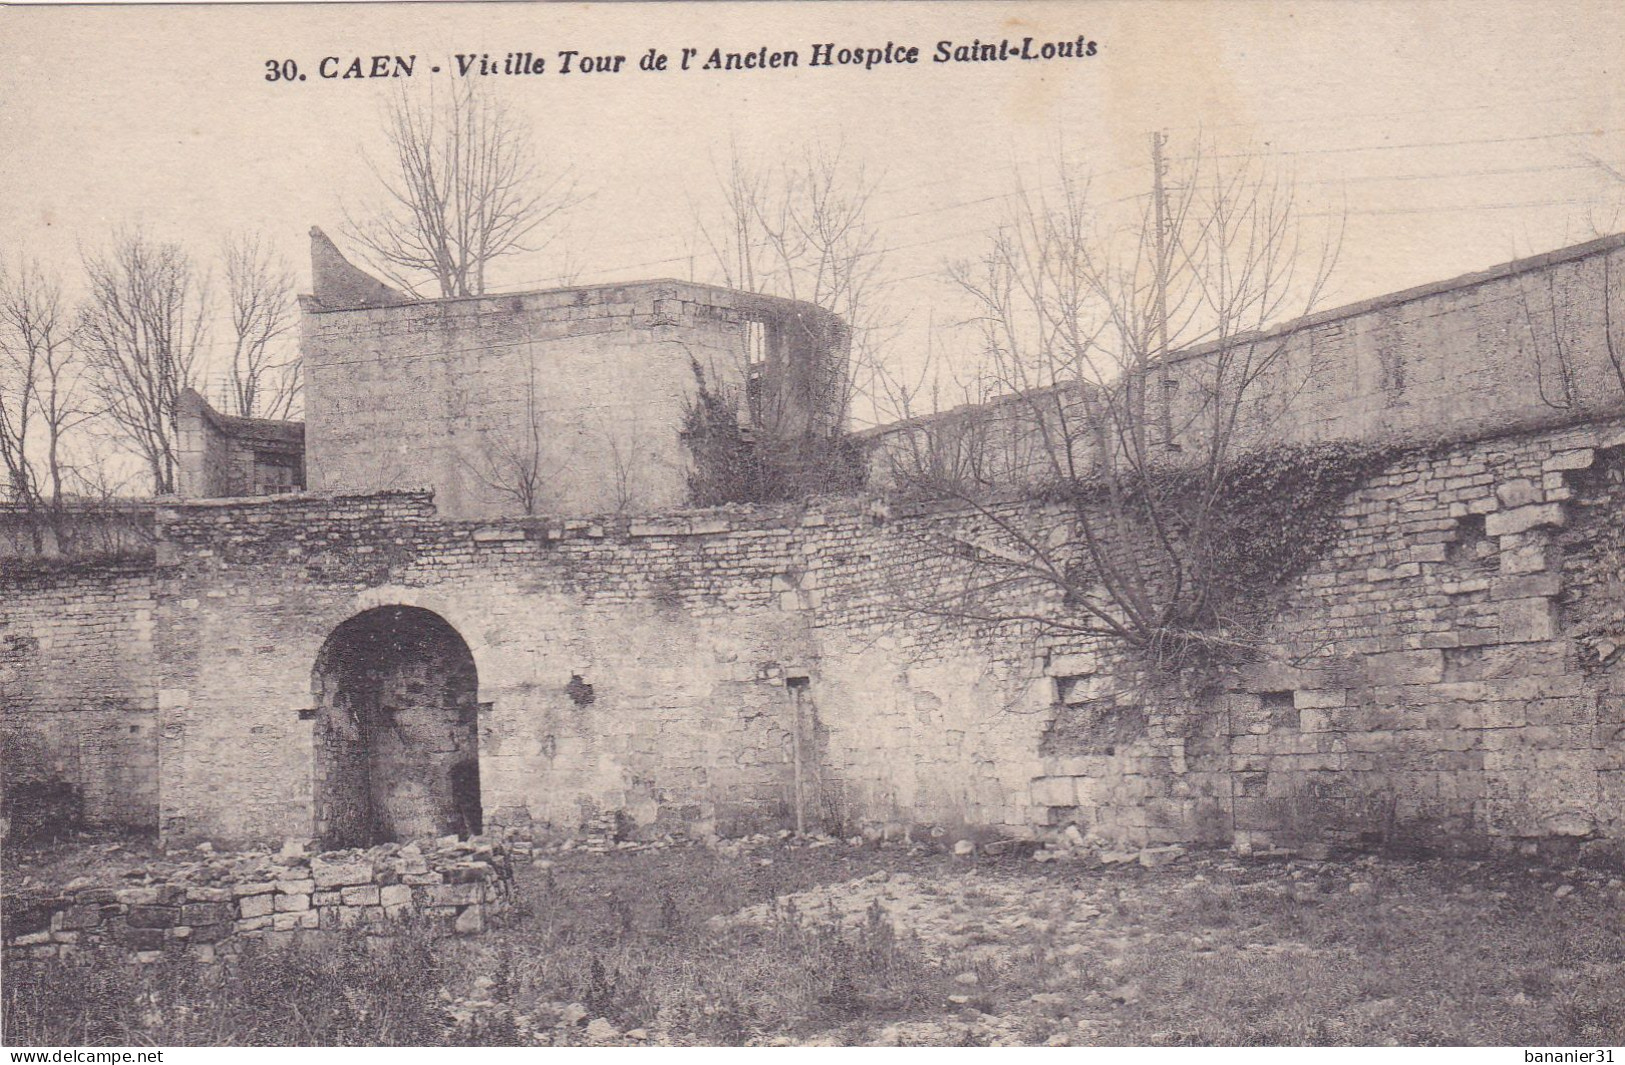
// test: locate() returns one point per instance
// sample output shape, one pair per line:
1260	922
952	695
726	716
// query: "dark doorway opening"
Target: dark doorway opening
397	732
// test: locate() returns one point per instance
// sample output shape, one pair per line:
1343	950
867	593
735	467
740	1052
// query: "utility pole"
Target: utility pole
1160	207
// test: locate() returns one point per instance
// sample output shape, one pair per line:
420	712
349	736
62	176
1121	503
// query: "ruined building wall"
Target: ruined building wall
641	672
581	390
1449	670
220	455
76	689
669	670
1446	674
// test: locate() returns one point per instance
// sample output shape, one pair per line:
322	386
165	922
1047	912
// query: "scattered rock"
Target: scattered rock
573	1014
967	979
1151	857
601	1031
964	848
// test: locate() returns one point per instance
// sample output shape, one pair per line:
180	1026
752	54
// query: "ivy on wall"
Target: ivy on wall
739	463
1239	538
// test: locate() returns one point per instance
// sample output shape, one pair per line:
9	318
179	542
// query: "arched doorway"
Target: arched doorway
397	740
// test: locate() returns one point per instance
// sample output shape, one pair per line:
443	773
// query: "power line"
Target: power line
1415	145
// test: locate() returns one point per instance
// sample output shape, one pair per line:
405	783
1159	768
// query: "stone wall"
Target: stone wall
1447	674
637	667
1449	670
579	391
674	670
1524	346
221	455
77	702
211	906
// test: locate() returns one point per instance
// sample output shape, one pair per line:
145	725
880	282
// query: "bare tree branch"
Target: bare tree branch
264	376
41	396
1130	445
460	189
141	334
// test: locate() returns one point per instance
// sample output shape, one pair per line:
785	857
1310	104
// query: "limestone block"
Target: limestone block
77	917
292	903
1055	791
153	916
1524	558
250	906
452	894
1428	553
1578	459
208	894
328	874
1528	586
1528	620
1522	519
207	913
470	920
363	895
1406	667
1519	493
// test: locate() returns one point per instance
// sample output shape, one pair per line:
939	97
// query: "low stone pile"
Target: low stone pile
208	906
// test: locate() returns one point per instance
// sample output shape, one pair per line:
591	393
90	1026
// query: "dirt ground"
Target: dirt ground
1208	948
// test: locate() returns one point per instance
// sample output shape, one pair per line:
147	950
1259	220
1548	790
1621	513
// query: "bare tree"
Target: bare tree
141	333
264	376
461	189
622	437
804	230
514	461
40	396
1132	443
801	230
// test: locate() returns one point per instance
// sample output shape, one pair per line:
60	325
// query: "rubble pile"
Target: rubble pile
207	904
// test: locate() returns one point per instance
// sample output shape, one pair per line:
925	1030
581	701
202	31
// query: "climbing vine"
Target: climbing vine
1216	550
740	463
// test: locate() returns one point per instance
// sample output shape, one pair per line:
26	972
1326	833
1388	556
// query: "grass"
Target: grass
1211	951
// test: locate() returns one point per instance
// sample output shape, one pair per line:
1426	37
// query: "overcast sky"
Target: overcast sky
1457	135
